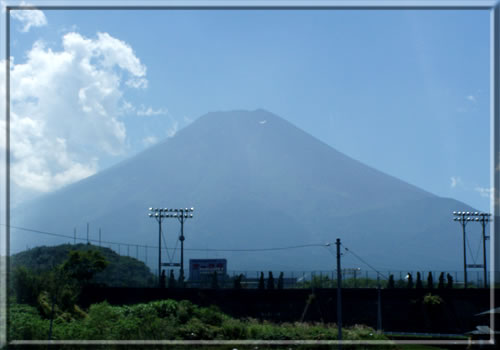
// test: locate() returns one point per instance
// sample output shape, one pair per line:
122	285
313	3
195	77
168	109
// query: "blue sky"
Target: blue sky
406	92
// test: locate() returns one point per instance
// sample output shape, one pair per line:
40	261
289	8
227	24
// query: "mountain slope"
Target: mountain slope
255	180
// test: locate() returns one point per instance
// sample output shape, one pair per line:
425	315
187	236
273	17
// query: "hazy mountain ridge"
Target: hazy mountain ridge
255	180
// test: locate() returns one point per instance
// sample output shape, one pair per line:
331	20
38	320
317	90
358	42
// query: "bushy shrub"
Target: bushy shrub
170	320
26	323
210	315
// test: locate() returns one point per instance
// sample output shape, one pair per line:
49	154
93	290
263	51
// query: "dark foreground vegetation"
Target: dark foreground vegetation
165	319
46	291
45	307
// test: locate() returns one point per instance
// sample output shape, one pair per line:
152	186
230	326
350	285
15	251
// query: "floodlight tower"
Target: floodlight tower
463	217
158	214
484	218
181	214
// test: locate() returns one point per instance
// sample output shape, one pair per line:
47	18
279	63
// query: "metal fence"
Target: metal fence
351	278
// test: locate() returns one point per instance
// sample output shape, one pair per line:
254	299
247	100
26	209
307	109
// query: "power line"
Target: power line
156	247
364	262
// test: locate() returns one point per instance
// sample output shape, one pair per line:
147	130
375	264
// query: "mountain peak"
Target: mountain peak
255	180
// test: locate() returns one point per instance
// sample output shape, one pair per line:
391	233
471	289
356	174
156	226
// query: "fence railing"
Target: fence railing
328	279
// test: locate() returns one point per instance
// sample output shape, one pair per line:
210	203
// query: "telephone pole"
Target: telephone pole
339	294
484	218
463	218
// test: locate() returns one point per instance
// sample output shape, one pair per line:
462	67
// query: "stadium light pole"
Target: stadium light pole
463	217
484	218
181	214
159	215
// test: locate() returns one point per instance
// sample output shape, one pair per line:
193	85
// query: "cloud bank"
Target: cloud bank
29	18
66	107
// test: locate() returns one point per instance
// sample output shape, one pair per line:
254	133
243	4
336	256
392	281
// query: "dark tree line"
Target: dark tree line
419	284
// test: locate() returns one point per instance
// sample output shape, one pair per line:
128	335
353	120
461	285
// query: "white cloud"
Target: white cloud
65	109
173	129
143	111
485	192
29	18
471	98
455	181
263	122
150	140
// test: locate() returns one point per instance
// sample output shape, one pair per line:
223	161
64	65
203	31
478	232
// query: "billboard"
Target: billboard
200	269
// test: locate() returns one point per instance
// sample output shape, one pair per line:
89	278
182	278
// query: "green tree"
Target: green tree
261	281
441	281
410	280
430	281
270	280
83	265
390	284
27	285
215	281
180	280
418	283
163	279
280	281
237	281
171	279
449	283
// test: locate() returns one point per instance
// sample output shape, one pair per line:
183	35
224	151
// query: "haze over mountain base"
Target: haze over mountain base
255	181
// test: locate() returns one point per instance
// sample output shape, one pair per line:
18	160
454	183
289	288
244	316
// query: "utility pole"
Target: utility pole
339	294
461	217
379	305
464	217
484	218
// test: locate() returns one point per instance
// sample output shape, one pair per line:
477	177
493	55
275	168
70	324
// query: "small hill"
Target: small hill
122	271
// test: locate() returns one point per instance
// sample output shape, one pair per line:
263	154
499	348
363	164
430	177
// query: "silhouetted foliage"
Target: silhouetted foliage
163	279
410	280
280	281
441	281
180	280
261	281
418	283
430	281
390	283
270	280
171	280
215	281
237	281
449	283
